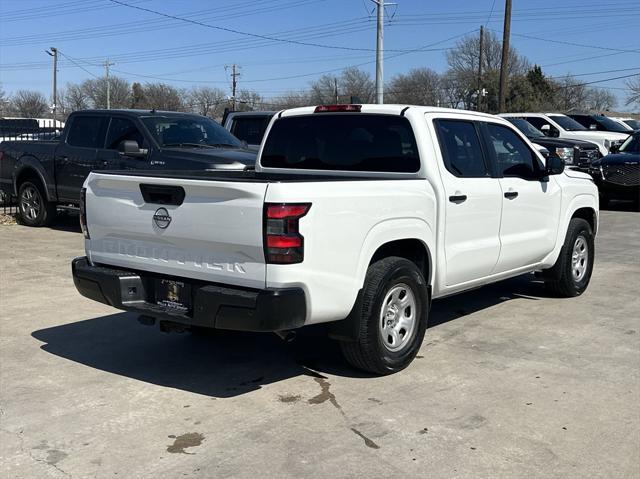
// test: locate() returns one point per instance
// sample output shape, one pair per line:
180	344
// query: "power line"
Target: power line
77	64
239	32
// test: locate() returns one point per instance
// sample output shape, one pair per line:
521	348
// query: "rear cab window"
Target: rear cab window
342	142
87	131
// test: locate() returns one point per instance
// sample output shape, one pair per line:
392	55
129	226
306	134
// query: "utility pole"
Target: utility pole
504	64
53	52
380	5
107	64
335	89
479	103
234	84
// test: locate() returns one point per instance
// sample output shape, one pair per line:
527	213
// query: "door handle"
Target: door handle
458	198
104	163
511	195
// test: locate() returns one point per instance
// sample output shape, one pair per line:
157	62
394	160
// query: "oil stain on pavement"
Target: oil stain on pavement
180	443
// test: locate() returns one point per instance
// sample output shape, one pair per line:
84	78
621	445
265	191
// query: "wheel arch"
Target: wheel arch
29	167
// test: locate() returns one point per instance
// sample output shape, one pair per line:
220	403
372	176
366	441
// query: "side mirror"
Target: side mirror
131	148
555	165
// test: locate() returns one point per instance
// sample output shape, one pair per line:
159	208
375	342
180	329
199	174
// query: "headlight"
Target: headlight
566	154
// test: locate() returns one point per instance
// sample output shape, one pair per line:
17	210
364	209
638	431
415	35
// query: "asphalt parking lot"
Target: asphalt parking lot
509	383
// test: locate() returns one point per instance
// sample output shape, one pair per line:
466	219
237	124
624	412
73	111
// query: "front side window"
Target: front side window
342	142
189	132
122	129
86	132
461	150
513	157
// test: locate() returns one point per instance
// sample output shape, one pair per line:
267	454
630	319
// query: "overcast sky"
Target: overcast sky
579	37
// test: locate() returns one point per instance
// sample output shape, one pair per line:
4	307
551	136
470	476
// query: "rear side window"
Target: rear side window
86	131
342	142
461	150
250	129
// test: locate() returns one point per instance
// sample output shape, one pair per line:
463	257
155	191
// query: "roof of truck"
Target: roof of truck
136	112
389	109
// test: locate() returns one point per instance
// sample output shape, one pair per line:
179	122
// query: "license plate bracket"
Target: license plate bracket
173	295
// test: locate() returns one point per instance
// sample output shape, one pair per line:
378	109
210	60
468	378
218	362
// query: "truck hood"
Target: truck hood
618	159
214	158
599	135
553	143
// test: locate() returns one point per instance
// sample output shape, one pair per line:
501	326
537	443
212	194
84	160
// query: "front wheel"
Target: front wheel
571	273
34	208
393	321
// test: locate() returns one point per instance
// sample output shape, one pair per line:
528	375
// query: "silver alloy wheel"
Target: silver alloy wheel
398	317
579	258
30	202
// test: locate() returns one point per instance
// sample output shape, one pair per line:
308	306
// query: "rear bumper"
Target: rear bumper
214	306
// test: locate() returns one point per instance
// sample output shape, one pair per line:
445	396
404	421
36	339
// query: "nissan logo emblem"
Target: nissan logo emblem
161	218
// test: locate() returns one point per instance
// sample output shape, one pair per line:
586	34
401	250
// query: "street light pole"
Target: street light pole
53	52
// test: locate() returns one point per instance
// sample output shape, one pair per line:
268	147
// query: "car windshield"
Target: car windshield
610	125
189	132
631	144
525	127
635	124
567	123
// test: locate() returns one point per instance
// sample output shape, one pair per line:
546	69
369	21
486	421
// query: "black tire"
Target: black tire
563	278
369	352
33	207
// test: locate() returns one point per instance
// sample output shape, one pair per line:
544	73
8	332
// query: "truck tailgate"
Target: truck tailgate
214	235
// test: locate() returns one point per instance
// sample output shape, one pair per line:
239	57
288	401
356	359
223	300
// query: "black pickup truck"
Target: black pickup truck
43	175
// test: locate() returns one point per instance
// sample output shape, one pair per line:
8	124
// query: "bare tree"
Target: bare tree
73	98
570	94
463	62
600	99
29	104
206	100
160	96
248	100
3	100
119	94
290	100
634	91
352	83
421	86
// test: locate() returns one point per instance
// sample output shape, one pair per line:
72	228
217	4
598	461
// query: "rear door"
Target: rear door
473	203
200	229
530	204
76	155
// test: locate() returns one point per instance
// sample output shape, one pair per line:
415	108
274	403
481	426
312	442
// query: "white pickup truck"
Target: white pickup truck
356	215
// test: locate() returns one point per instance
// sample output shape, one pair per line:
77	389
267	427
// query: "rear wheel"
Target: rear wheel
571	274
395	304
34	208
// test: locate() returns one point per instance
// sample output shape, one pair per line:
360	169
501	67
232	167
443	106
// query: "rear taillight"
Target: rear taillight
283	243
83	213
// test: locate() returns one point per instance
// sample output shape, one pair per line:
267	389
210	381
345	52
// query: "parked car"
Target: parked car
600	123
46	174
630	122
557	125
576	153
618	174
356	215
249	126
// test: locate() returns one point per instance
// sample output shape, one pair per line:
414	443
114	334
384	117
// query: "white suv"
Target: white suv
557	125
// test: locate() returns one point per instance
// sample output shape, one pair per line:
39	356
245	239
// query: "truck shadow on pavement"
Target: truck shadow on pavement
228	364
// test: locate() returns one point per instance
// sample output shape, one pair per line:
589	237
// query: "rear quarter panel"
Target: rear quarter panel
348	221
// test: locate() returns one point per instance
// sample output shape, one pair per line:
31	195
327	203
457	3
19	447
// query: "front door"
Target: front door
530	203
76	157
473	202
122	129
